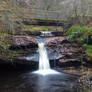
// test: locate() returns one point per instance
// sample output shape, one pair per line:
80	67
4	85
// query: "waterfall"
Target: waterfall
44	65
43	58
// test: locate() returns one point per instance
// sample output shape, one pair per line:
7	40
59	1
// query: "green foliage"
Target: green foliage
4	39
91	37
79	33
79	29
71	36
88	49
36	28
85	45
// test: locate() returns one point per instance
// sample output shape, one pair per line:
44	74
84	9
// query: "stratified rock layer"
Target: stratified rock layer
21	42
60	50
66	50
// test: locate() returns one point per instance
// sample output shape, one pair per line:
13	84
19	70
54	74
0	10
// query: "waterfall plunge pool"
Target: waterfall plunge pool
17	81
13	81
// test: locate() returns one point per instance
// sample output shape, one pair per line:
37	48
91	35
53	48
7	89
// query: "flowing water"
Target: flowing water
28	81
44	66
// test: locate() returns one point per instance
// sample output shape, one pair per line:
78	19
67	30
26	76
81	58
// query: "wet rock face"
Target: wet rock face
55	40
64	50
21	42
32	33
43	33
60	49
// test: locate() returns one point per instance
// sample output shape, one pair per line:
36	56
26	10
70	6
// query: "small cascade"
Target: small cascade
44	66
45	33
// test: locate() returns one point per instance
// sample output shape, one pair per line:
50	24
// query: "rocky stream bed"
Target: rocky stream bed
62	52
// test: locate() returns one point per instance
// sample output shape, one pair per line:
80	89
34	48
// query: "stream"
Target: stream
40	79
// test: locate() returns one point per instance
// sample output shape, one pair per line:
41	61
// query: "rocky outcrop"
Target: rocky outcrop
21	42
32	33
43	33
60	50
53	40
64	50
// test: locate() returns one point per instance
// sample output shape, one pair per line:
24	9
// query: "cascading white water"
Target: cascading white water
43	58
44	66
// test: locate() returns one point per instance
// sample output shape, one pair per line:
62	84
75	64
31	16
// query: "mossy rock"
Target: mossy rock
88	49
